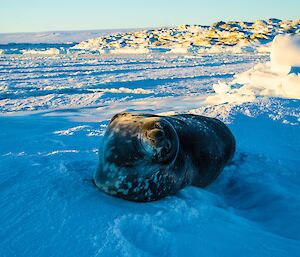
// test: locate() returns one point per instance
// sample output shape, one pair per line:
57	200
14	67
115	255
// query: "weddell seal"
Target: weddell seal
145	157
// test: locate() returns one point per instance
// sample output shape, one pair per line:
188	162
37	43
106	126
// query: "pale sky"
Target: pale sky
51	15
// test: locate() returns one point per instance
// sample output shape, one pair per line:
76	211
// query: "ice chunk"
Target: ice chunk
285	53
221	87
280	77
50	51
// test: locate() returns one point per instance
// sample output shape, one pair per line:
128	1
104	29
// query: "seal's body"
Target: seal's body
145	157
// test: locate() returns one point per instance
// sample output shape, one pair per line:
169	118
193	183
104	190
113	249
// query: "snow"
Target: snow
54	111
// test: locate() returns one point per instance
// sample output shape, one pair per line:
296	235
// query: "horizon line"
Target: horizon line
131	28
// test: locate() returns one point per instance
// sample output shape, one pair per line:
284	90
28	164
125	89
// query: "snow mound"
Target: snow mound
279	77
50	51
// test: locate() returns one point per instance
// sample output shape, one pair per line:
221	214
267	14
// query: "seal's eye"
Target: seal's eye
157	125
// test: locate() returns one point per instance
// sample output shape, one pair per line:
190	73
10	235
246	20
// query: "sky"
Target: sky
53	15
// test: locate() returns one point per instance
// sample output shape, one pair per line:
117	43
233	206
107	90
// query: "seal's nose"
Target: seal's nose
158	140
155	135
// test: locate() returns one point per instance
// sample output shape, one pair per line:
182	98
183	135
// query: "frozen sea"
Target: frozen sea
53	113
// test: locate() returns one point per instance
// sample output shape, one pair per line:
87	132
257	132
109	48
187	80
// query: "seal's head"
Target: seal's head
136	157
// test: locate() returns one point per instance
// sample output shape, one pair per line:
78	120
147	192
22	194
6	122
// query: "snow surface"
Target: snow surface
54	111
